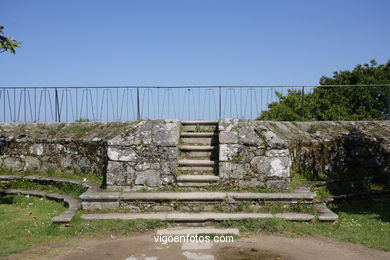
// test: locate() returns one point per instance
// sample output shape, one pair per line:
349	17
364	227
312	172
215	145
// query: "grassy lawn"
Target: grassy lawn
365	222
25	221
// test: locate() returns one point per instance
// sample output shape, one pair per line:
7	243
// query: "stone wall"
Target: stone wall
260	153
126	154
145	156
72	148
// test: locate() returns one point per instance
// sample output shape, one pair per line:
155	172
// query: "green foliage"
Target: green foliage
338	103
237	158
7	43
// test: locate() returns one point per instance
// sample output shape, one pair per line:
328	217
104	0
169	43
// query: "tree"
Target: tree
338	103
7	43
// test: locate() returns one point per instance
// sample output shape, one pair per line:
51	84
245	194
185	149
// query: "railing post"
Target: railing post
303	104
388	102
56	106
138	106
220	103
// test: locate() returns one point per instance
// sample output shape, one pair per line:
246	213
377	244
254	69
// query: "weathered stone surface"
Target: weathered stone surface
13	163
32	163
124	154
36	149
231	170
166	133
228	151
283	184
149	177
228	138
119	173
277	152
272	166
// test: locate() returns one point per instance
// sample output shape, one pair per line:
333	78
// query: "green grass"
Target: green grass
365	222
25	221
89	177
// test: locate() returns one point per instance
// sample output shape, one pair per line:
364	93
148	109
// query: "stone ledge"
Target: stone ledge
174	196
201	196
199	217
326	214
273	196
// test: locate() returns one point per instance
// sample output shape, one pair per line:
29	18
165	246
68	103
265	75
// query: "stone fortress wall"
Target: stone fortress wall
144	154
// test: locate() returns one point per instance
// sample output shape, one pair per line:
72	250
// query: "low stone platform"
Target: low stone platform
194	201
200	217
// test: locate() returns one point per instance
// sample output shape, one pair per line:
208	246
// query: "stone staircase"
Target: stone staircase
197	173
198	159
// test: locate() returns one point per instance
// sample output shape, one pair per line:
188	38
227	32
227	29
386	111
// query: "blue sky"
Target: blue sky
185	42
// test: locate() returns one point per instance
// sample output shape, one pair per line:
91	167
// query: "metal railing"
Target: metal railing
67	104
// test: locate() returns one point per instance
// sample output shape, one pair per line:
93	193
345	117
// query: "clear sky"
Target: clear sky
190	42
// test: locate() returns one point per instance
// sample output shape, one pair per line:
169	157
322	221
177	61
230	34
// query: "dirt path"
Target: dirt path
143	246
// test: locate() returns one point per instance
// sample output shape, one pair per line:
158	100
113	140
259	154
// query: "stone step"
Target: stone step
326	214
198	170
193	184
197	178
200	122
194	201
199	128
274	196
199	216
194	135
198	163
191	201
199	140
193	151
209	155
193	148
206	139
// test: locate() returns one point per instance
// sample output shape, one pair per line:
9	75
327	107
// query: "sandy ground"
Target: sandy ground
143	246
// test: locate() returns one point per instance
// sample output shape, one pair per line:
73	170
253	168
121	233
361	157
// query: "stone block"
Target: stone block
228	151
166	133
36	149
228	138
124	154
231	170
272	166
12	163
278	184
119	173
149	178
32	163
